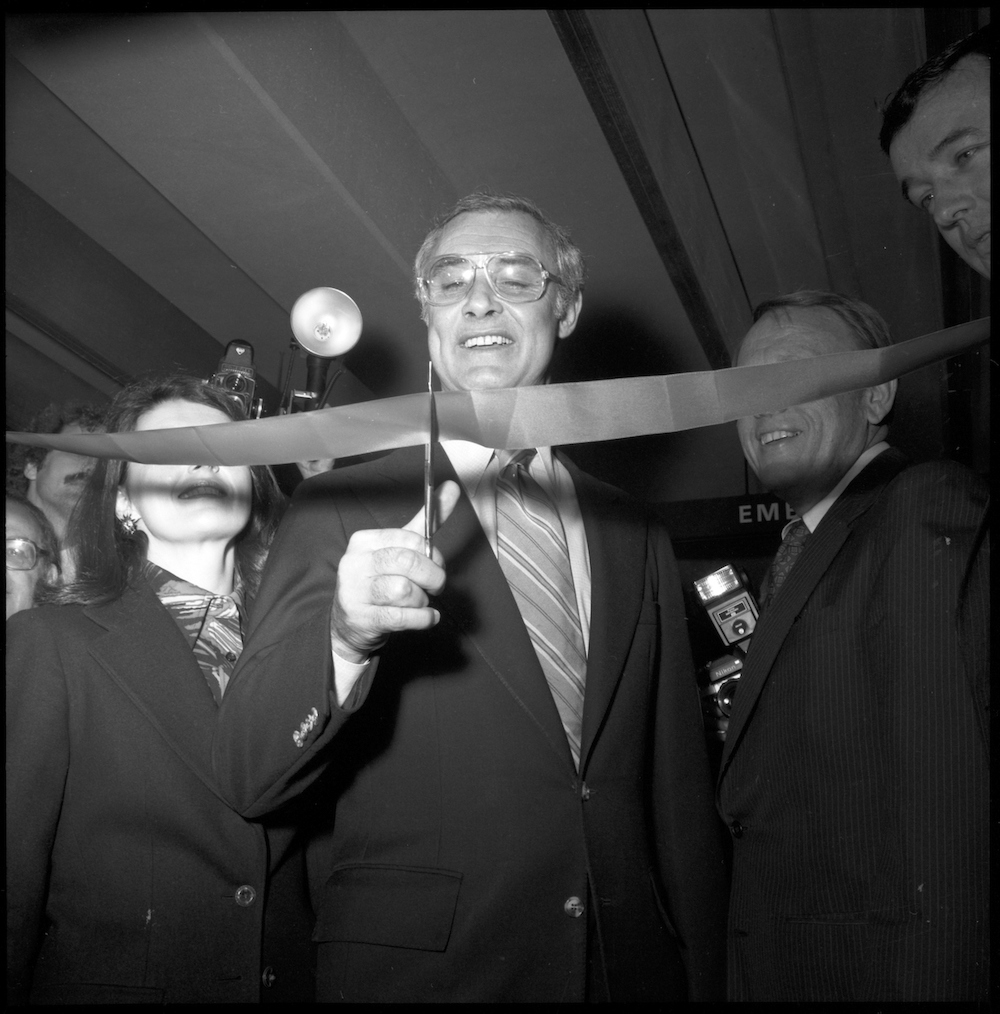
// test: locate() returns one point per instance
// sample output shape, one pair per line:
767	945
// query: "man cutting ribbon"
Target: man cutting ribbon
507	736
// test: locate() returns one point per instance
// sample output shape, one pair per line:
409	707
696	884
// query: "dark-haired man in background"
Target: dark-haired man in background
53	480
936	132
519	795
855	774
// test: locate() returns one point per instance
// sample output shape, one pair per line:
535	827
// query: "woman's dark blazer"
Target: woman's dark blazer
130	880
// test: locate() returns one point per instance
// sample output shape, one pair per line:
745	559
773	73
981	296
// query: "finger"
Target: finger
445	498
392	590
411	565
355	637
396	619
371	540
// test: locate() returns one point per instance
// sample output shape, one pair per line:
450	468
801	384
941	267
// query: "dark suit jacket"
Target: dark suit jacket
463	838
855	774
130	879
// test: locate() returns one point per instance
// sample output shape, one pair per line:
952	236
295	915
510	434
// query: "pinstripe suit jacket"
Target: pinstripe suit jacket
855	776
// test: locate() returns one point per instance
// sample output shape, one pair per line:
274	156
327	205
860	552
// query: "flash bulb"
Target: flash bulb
326	322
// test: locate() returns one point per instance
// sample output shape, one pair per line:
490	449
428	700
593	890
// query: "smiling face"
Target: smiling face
941	157
184	506
802	452
483	342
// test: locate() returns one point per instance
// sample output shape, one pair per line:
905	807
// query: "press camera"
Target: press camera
236	376
726	597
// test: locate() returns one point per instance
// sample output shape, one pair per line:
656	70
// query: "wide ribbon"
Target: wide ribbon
542	416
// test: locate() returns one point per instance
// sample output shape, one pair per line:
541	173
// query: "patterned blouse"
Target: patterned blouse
211	623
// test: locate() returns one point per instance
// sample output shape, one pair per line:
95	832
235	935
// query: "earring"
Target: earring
130	524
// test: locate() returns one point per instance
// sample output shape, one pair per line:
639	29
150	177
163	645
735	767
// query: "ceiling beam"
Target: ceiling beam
620	68
801	66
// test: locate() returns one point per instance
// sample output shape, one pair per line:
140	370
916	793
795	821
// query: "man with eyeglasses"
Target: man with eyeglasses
505	740
32	552
53	480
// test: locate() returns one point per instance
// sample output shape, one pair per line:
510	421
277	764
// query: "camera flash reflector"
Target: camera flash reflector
717	584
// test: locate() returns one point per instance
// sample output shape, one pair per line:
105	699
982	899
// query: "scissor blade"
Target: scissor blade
432	433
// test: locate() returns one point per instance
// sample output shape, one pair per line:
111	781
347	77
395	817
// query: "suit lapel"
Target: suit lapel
476	599
145	654
816	558
617	547
772	629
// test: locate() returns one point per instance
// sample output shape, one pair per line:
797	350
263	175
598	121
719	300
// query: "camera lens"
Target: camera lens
235	382
725	694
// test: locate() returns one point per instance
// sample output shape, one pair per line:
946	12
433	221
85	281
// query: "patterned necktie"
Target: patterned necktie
531	547
788	552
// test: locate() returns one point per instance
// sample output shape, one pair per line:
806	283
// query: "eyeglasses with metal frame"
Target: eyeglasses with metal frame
514	276
23	554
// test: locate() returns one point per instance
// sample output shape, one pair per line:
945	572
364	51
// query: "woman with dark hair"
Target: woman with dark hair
129	877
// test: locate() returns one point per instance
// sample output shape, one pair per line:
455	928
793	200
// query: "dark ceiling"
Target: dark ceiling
175	182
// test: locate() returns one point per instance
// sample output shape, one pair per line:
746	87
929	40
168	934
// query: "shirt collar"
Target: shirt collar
473	462
817	512
167	585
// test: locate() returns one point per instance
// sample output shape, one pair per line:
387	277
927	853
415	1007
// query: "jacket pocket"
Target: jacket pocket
395	906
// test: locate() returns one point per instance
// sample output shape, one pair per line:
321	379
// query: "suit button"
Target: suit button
267	977
245	895
573	907
584	791
736	829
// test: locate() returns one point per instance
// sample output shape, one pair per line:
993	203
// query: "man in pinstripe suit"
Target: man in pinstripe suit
855	776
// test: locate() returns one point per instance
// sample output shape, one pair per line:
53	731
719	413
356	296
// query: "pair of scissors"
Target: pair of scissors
432	435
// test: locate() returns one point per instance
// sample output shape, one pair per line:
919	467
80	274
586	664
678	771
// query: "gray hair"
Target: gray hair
869	329
569	261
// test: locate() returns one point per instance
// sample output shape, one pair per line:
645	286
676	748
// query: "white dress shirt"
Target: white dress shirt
817	512
477	469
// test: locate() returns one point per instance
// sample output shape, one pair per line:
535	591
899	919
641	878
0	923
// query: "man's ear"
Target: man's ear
568	321
31	471
878	401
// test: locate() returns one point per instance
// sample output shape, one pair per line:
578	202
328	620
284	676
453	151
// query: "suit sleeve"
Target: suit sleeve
686	825
37	764
279	710
938	754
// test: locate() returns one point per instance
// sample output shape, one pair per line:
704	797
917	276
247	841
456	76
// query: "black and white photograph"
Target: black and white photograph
556	446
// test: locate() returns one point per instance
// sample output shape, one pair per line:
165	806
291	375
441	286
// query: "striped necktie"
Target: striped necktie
532	550
788	552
